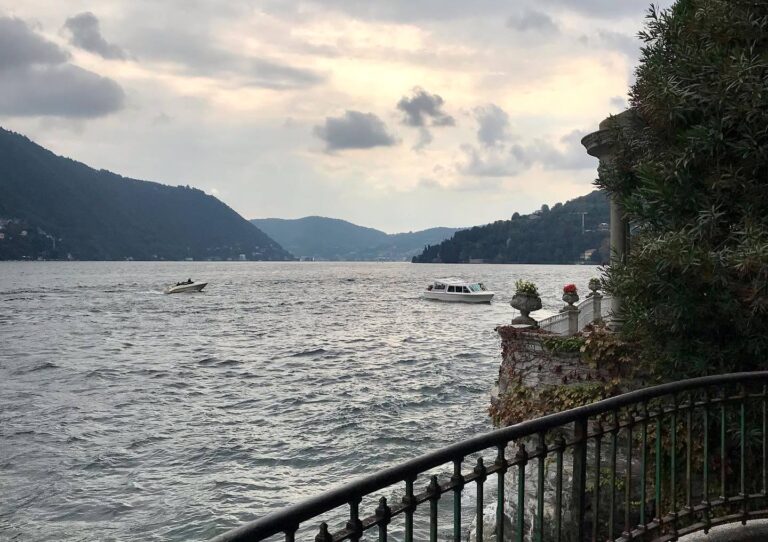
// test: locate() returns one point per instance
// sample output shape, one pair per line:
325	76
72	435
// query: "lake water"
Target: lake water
127	414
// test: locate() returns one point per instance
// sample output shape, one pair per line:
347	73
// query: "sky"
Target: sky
395	114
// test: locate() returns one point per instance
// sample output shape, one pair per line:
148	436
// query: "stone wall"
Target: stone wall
525	361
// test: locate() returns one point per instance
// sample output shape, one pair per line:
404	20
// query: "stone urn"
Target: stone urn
526	304
570	298
594	286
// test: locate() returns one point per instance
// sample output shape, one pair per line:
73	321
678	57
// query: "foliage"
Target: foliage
98	215
523	403
546	236
562	345
689	172
594	284
605	350
526	287
570	289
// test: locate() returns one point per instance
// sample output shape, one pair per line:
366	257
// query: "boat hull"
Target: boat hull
460	297
186	288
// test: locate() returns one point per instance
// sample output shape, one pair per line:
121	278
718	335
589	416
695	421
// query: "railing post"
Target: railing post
579	487
597	306
573	319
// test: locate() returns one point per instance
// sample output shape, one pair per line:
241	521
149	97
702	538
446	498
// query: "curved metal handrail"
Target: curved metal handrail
288	519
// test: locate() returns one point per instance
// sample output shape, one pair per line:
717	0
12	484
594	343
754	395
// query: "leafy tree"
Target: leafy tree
554	237
691	173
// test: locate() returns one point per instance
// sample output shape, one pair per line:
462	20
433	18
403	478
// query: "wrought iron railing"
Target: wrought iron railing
652	464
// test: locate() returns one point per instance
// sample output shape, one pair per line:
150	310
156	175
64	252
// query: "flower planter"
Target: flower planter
570	298
526	304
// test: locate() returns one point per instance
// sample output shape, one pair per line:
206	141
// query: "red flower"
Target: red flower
569	289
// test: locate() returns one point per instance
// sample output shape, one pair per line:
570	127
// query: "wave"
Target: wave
305	353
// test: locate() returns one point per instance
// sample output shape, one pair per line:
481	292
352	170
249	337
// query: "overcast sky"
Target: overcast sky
394	114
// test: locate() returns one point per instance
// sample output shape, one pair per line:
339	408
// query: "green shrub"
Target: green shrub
691	175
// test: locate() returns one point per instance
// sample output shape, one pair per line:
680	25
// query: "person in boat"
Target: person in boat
189	281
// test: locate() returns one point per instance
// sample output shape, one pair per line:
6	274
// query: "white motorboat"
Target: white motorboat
458	290
185	287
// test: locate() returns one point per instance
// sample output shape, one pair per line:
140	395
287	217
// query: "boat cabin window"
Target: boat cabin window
450	288
439	286
465	289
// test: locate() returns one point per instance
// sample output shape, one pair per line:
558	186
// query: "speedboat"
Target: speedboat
453	289
185	287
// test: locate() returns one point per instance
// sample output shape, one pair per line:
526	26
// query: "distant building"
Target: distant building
588	254
241	257
476	260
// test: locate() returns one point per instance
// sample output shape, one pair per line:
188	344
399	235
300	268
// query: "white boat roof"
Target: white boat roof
454	281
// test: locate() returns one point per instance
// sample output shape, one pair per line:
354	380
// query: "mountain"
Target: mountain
553	235
53	207
333	239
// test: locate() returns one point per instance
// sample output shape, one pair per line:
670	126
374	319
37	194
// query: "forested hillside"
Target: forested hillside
547	236
53	207
324	238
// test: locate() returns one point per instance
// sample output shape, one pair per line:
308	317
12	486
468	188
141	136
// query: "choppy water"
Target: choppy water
127	414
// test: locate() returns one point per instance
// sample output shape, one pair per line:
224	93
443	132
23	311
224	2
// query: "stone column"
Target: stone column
597	306
600	145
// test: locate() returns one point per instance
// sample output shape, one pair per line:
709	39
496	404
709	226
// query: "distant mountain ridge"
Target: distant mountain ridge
53	207
323	238
567	233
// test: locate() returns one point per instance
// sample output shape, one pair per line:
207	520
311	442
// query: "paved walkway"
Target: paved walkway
754	531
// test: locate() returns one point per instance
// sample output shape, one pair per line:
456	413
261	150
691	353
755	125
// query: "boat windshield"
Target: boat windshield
476	287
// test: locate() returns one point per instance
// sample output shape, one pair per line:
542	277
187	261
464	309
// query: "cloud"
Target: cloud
624	43
494	161
570	155
270	74
161	118
423	109
607	9
354	130
410	12
85	33
534	21
21	48
36	79
402	11
425	138
618	102
486	184
616	41
493	124
511	160
198	55
64	91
